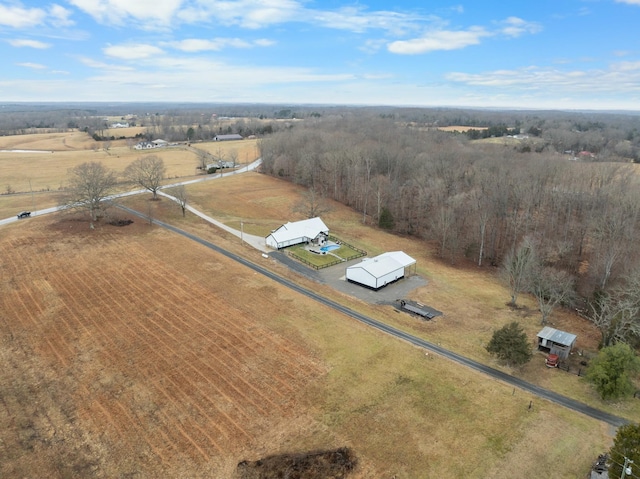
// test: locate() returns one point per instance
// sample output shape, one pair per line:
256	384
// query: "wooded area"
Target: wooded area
477	199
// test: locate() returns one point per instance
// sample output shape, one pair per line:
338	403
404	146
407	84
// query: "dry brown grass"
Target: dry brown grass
123	340
49	171
104	331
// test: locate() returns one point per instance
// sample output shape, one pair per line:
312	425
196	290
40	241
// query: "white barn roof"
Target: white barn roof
310	228
557	336
382	264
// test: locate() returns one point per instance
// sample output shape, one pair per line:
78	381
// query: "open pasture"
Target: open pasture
26	171
133	351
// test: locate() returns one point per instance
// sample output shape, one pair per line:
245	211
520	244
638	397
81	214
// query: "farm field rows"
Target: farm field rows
150	352
133	350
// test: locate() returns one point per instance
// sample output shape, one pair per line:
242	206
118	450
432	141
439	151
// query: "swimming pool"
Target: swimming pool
330	247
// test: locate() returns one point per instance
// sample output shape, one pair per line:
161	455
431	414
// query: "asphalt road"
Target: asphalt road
489	371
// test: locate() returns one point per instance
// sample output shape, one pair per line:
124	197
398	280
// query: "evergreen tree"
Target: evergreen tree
386	219
510	344
626	444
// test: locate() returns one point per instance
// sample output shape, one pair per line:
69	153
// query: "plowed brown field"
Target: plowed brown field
161	367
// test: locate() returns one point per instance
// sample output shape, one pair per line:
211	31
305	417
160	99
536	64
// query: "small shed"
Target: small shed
231	137
304	231
554	341
377	272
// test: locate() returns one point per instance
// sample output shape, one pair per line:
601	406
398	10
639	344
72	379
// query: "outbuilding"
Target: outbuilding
554	341
231	137
312	230
379	271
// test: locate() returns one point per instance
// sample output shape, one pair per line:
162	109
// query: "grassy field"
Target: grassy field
37	171
183	363
133	351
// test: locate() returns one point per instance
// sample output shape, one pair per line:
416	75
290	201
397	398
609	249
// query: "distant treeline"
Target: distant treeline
471	199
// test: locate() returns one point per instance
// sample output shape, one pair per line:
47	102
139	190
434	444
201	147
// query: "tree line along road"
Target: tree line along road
543	393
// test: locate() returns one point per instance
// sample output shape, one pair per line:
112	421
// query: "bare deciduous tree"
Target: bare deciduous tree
147	172
180	194
517	266
551	287
90	186
616	313
313	204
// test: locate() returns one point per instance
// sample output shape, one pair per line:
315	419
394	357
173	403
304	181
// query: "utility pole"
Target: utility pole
626	469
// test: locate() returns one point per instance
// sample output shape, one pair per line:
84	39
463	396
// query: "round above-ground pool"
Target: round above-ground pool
330	247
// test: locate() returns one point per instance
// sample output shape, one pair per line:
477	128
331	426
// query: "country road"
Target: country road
543	393
250	167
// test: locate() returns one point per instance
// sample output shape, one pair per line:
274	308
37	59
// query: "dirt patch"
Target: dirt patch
336	464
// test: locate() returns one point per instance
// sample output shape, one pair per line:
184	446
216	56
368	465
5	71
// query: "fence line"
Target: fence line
360	254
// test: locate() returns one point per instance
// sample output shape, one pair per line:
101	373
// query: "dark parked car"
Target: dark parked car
24	214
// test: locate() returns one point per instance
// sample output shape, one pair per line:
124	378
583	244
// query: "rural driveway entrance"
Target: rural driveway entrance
385	328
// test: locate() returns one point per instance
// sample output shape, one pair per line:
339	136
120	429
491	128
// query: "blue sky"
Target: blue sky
559	54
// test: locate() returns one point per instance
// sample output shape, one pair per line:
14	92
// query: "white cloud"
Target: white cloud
439	40
618	79
216	44
34	66
514	27
626	66
103	66
60	16
151	12
16	16
29	43
132	51
19	17
630	2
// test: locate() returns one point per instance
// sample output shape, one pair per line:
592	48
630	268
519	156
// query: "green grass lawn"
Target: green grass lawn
322	260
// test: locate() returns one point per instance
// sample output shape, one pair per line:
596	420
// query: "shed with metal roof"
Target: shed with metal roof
554	341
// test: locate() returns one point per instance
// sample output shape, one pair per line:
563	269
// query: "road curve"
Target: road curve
489	371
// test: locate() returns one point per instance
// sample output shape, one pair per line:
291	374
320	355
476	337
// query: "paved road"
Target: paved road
244	169
489	371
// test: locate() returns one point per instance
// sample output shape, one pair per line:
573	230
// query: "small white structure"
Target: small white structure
145	145
232	137
304	231
381	270
554	341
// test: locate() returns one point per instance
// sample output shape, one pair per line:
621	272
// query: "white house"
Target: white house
145	145
298	232
381	270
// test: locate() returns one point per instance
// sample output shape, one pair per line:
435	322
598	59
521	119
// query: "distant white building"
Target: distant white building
235	136
304	231
380	270
147	145
119	125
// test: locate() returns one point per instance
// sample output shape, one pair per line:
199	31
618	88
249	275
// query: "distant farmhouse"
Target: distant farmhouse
306	231
119	125
147	145
377	272
233	137
221	164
